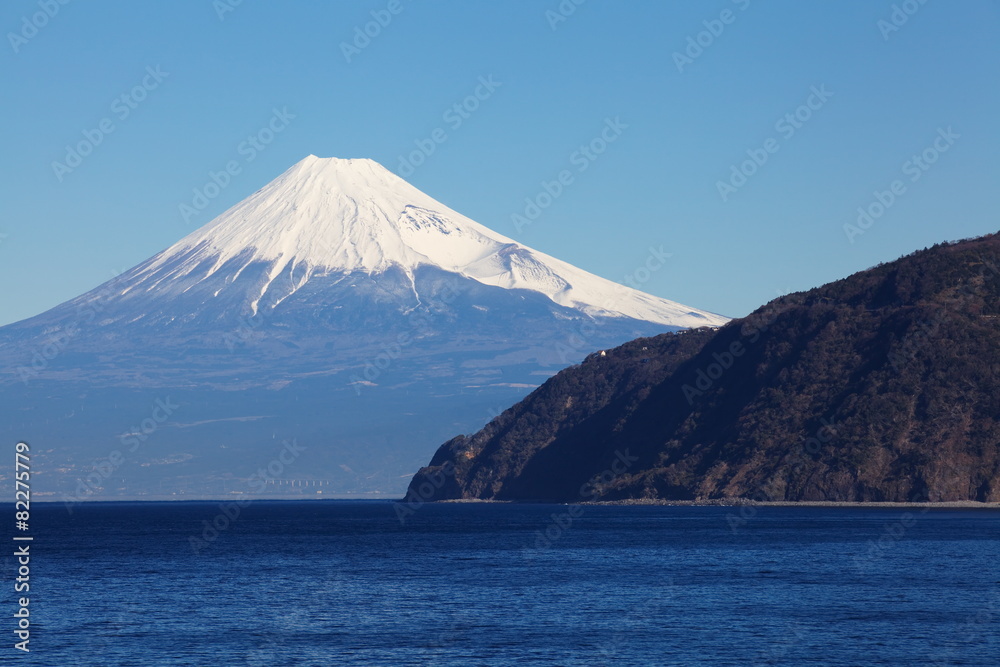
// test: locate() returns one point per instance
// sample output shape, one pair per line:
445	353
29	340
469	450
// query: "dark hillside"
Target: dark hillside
883	386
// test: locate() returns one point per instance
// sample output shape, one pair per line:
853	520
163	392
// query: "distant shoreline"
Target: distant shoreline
639	502
741	502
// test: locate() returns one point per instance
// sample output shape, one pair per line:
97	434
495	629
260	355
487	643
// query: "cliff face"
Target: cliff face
884	386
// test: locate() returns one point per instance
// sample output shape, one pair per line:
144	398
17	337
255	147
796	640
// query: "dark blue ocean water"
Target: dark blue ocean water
344	583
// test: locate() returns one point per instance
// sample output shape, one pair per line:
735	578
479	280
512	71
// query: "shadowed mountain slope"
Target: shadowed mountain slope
884	386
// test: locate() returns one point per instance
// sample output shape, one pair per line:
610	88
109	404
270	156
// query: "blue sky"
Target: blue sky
168	93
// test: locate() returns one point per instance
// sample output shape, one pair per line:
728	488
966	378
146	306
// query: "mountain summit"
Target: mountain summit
337	306
329	215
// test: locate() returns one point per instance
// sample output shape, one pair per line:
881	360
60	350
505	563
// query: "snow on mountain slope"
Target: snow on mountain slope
330	215
339	306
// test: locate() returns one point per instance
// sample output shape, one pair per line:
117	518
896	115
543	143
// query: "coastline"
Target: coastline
635	502
740	502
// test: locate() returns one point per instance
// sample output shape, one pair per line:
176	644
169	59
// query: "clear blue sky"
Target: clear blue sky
655	185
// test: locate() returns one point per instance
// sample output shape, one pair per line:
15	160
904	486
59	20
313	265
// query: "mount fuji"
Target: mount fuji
338	313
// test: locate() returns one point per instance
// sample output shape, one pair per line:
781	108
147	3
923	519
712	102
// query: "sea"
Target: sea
379	583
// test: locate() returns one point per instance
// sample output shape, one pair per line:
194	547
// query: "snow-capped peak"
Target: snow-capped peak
345	215
354	215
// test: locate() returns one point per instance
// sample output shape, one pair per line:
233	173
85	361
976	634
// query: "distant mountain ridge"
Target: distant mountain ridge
339	306
883	386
